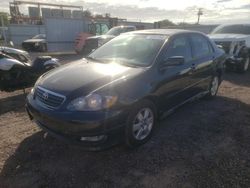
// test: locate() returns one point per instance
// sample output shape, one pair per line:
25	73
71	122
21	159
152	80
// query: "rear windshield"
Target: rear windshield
235	29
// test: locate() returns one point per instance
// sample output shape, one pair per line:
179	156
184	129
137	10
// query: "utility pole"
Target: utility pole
3	29
200	12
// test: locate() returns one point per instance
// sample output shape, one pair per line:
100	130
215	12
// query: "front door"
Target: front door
203	56
175	80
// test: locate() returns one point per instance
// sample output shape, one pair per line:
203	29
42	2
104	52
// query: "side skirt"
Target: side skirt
172	110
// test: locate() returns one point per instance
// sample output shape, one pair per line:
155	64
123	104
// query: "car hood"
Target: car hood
34	40
85	76
228	37
104	37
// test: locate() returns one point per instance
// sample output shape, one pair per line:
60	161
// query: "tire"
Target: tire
244	65
213	87
140	123
43	48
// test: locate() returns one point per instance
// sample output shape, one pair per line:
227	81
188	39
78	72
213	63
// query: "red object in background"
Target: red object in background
80	41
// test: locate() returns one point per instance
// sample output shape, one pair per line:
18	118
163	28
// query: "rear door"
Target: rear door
202	63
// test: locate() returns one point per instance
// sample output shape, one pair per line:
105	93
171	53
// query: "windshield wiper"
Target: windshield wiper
93	59
128	64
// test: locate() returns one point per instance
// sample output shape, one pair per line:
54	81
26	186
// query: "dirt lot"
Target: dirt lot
203	144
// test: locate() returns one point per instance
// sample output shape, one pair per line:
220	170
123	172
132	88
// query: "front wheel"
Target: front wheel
213	87
140	123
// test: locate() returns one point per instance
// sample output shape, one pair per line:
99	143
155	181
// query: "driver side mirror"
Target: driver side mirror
172	61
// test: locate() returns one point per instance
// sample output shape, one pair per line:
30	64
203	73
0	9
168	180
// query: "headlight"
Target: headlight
92	102
32	91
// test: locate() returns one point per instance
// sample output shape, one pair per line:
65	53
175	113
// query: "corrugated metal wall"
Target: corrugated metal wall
61	33
19	33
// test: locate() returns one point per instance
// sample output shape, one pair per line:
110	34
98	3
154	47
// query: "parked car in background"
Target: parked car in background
94	42
36	43
18	71
235	40
124	86
17	54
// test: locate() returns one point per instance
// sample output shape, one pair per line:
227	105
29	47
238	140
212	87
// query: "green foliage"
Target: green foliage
166	22
87	13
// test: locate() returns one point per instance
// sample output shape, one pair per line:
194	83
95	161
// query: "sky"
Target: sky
215	11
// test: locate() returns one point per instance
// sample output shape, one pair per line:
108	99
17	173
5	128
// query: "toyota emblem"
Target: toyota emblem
45	95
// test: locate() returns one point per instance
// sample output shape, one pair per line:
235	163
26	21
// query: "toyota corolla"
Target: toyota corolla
119	91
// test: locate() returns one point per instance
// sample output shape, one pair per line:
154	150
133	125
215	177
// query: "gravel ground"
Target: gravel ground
203	144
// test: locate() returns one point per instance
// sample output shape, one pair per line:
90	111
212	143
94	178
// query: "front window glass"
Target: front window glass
138	50
179	47
235	29
201	46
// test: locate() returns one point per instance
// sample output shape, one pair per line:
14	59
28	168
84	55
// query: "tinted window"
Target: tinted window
201	47
237	29
104	28
180	46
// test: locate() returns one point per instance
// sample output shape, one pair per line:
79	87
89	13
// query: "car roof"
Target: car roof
167	32
231	24
125	26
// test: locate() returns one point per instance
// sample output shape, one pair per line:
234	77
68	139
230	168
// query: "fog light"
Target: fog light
93	138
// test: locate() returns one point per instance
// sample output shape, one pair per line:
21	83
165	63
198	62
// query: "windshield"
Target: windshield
137	50
40	36
235	29
118	30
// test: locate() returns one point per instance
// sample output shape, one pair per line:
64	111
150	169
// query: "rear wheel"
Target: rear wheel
140	123
214	86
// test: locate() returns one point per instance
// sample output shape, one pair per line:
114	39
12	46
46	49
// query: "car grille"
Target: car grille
49	98
226	45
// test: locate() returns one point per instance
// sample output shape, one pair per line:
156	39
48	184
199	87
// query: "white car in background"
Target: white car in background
235	40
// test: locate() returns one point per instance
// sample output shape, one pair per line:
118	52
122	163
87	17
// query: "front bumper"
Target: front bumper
233	62
74	127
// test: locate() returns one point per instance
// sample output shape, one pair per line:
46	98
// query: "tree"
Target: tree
166	22
99	16
87	13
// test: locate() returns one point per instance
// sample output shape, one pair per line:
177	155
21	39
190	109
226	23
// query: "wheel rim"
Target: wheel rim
246	65
143	123
214	86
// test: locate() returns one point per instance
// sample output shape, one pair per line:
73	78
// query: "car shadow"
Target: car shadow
207	145
14	103
238	78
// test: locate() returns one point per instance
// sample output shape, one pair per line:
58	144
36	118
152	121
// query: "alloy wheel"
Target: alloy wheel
214	86
143	123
